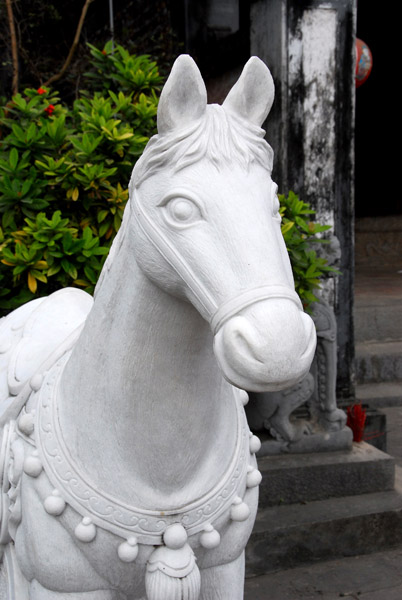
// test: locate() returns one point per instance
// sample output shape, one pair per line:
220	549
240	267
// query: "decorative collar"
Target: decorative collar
108	512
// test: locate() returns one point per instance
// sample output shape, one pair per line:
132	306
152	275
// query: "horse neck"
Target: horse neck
142	403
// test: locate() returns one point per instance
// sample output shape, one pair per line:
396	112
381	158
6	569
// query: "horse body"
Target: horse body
132	451
110	413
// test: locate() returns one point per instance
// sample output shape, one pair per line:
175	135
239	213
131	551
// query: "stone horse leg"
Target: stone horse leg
37	592
14	586
224	582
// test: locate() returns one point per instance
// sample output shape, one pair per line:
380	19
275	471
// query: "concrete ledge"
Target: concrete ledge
288	536
380	395
381	322
383	224
375	576
379	362
291	478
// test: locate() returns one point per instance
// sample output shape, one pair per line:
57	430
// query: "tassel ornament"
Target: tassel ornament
172	573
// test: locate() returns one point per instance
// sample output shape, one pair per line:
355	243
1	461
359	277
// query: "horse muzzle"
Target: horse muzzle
267	346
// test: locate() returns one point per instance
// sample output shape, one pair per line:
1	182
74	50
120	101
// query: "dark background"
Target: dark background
46	29
160	28
377	148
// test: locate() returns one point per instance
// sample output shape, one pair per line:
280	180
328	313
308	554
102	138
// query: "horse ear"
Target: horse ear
184	97
253	94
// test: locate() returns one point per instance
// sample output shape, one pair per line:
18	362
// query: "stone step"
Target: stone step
378	241
378	361
291	535
378	322
380	395
295	478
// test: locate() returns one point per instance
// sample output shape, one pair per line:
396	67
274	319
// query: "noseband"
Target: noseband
217	315
232	307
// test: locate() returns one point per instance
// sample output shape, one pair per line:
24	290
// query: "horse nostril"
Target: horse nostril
240	338
266	349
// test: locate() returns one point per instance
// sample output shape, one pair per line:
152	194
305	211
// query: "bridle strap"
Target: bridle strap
217	315
170	254
232	307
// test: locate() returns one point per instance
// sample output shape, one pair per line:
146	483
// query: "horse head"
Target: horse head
206	221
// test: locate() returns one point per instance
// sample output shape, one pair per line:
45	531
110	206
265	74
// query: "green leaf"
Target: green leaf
53	270
90	274
101	216
13	158
69	268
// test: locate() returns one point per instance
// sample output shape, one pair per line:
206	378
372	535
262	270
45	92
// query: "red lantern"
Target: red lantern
364	62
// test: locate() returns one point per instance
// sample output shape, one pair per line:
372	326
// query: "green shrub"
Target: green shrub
62	172
300	233
114	68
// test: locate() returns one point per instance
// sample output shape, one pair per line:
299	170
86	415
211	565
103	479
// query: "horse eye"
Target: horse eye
182	211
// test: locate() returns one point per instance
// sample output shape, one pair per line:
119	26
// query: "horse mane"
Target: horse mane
220	136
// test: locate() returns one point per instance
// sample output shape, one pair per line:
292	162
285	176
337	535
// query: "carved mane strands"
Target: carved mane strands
220	136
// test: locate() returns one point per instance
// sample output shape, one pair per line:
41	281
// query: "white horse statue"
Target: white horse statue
128	468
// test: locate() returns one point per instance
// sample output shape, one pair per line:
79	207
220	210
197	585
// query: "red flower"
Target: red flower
41	91
49	109
104	52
